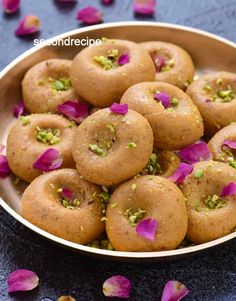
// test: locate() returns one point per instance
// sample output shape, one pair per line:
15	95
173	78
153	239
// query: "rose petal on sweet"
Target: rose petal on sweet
159	61
90	15
2	147
22	280
74	110
49	160
117	108
195	152
144	7
181	173
123	59
19	109
230	144
164	98
228	190
10	6
4	167
28	25
107	2
174	291
67	193
147	228
117	286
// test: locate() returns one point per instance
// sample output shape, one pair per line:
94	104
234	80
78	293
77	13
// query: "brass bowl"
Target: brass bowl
209	52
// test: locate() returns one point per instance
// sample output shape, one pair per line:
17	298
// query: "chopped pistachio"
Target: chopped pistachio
25	119
232	163
105	62
174	101
40	82
114	205
171	62
227	95
170	110
153	166
219	81
198	173
134	217
97	150
132	145
48	136
61	84
111	128
208	87
214	202
113	53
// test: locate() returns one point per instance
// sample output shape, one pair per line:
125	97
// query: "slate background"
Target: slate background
210	276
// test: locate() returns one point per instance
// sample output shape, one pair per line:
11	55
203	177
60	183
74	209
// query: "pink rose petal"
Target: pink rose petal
4	167
48	160
10	6
144	7
74	110
123	59
22	280
164	98
90	15
30	24
67	193
174	291
117	108
181	173
159	61
229	190
230	144
107	2
117	286
147	228
195	152
19	109
2	147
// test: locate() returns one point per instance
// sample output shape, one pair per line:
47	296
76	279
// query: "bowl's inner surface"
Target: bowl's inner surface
208	54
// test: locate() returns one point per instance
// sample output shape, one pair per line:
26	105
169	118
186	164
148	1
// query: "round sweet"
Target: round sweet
215	96
209	215
173	127
77	219
173	63
46	85
110	148
31	136
146	197
99	77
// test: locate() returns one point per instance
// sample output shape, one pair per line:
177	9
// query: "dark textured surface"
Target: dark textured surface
210	276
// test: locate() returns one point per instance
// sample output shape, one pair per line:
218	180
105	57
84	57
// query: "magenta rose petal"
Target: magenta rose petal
4	167
229	190
159	61
144	7
22	280
28	25
147	228
123	59
195	152
117	108
49	160
67	193
107	2
19	109
74	110
181	173
10	6
174	291
230	144
117	286
164	98
90	15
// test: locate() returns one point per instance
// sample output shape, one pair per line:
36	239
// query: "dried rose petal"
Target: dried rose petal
10	6
164	98
117	108
90	15
123	59
4	167
230	144
74	110
159	61
67	193
107	2
229	189
117	286
181	173
22	280
2	147
147	228
30	24
174	291
19	109
195	152
145	7
48	160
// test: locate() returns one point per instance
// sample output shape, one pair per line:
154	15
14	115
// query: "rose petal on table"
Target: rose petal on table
164	98
2	147
90	15
144	7
19	109
117	286
107	2
147	228
230	144
74	110
174	291
28	25
49	160
121	109
159	61
181	173
195	152
123	59
67	193
22	280
4	167
10	6
228	190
